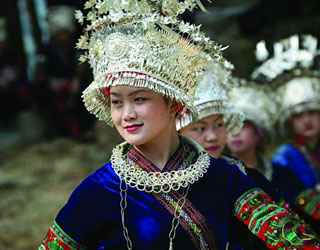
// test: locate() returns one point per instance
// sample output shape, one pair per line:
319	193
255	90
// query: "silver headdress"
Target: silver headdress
212	98
130	43
61	17
293	57
257	103
296	96
293	73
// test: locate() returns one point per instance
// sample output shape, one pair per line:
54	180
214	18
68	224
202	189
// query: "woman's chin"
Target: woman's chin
135	140
311	134
214	155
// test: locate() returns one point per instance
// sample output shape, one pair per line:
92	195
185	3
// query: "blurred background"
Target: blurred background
48	141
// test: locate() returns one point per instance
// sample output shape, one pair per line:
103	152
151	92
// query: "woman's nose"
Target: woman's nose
128	112
211	135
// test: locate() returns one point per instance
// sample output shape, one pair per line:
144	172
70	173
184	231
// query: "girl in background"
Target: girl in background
259	109
297	164
293	72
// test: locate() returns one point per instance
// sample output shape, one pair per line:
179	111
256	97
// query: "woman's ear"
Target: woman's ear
174	106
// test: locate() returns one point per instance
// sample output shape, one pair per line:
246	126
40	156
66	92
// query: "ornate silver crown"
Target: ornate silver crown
139	43
292	57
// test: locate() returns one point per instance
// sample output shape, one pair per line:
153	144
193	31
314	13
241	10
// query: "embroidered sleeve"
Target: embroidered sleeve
272	223
57	239
282	203
309	202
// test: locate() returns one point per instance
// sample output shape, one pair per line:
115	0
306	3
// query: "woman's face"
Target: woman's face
306	124
210	132
140	116
247	139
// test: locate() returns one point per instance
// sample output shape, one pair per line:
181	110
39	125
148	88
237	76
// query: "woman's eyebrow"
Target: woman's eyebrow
218	118
137	91
130	94
201	122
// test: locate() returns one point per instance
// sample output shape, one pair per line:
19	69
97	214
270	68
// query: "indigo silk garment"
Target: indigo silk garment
92	216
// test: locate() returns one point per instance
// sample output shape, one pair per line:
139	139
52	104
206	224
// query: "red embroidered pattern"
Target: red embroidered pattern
309	202
192	221
57	239
273	224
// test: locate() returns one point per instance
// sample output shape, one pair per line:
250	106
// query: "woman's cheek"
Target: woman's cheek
195	135
116	116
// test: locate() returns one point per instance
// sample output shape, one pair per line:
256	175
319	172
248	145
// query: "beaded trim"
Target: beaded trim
158	182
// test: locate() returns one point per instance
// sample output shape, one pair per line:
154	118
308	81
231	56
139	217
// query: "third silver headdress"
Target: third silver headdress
257	103
294	74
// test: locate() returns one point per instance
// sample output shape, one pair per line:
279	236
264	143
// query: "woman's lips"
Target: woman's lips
236	142
308	127
134	127
212	149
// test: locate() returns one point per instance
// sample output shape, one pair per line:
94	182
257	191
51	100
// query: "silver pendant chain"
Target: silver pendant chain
177	214
123	206
175	220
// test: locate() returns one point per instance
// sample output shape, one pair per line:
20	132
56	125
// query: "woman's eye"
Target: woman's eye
199	129
219	125
115	102
298	116
140	99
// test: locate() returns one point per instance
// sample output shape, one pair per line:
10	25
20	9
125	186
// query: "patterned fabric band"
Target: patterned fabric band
309	202
273	224
57	239
191	220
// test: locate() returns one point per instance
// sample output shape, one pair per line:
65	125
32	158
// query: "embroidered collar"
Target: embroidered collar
178	160
157	181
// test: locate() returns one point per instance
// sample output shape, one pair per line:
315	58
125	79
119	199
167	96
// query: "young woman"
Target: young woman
218	118
222	118
300	159
153	192
295	165
248	144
